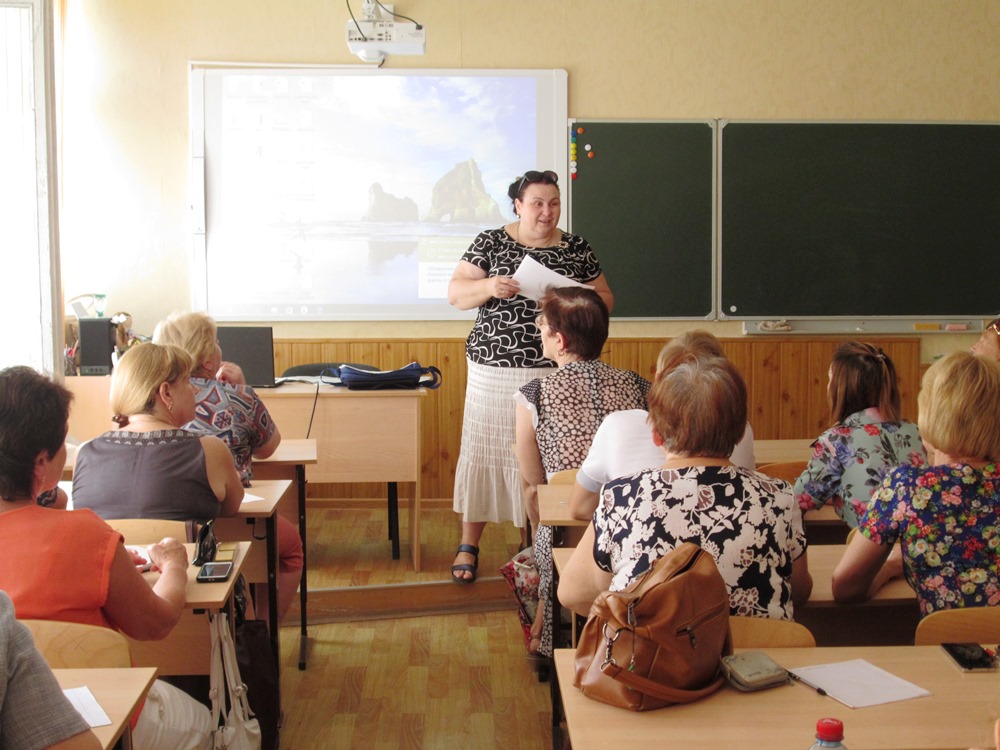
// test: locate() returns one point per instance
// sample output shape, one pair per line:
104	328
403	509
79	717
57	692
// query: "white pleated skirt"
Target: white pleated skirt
487	481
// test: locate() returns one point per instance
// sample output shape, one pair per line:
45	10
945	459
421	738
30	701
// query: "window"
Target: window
29	284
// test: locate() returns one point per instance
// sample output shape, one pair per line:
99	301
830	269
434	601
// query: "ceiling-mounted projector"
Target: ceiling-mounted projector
376	34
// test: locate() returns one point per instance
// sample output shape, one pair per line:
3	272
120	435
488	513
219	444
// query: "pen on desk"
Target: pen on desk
808	684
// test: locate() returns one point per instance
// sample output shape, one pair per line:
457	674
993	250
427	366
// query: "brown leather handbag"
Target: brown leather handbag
660	641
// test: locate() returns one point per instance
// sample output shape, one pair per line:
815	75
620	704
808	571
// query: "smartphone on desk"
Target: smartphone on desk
971	657
214	572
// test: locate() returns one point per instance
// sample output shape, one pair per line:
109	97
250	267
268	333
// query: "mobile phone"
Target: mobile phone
225	552
971	657
213	572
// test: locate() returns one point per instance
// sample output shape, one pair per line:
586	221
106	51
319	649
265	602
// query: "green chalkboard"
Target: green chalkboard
644	201
858	219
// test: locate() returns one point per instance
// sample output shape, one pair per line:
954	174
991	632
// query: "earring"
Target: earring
170	407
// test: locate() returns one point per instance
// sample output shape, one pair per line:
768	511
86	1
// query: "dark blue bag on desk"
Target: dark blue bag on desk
407	378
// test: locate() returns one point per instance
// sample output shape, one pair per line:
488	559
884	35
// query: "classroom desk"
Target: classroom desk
959	713
261	565
553	506
361	436
775	451
289	461
888	618
188	648
119	691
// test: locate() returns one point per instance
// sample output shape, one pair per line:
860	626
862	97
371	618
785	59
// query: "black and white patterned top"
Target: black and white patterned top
505	334
749	523
569	405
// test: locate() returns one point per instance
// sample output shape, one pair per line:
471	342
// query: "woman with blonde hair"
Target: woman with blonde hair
867	438
226	407
151	467
624	442
945	515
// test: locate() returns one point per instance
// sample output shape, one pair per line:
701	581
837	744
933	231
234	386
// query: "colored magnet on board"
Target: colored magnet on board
579	130
591	155
587	147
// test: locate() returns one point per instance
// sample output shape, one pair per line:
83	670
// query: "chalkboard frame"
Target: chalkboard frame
934	301
609	160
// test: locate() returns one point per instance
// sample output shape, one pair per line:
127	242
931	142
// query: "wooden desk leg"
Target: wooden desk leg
300	477
394	518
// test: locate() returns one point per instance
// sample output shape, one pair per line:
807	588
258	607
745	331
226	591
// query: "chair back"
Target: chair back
566	476
960	625
315	369
73	645
764	632
787	470
149	530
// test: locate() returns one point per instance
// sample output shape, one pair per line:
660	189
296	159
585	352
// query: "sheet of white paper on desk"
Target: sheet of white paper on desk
87	706
858	684
140	549
249	497
535	279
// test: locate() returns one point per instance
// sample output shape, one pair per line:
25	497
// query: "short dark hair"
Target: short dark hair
863	376
34	411
699	407
580	315
532	177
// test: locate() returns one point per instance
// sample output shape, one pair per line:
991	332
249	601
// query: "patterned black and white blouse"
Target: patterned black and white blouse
749	522
569	405
505	334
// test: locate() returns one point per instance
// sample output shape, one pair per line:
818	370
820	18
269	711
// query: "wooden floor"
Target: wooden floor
458	680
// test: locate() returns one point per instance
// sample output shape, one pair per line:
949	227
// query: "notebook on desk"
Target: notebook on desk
252	348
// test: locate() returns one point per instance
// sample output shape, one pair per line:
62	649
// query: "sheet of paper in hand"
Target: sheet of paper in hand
535	279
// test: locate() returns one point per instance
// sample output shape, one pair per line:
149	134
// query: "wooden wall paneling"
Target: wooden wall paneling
815	389
451	404
740	353
794	381
766	398
786	381
905	356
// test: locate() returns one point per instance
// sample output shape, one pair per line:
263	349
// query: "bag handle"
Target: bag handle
435	381
655	689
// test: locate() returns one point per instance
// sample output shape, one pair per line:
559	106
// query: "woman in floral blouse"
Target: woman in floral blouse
749	522
868	438
947	515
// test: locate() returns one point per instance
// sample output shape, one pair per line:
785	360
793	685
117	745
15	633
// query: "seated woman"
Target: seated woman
988	343
558	415
225	406
34	711
867	439
624	441
945	515
72	566
152	467
748	521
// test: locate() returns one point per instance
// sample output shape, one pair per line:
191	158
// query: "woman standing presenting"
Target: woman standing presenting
504	351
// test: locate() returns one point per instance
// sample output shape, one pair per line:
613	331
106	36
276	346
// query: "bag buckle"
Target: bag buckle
610	641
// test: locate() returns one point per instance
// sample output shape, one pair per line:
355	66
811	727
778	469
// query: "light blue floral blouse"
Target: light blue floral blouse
851	459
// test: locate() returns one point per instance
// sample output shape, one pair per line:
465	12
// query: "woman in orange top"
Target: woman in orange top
72	566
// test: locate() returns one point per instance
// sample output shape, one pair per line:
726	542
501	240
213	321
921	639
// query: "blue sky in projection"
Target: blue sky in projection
314	145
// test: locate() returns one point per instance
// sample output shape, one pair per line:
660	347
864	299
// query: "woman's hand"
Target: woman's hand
166	553
503	287
231	373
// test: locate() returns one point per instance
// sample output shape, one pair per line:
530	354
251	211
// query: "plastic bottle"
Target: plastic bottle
829	735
